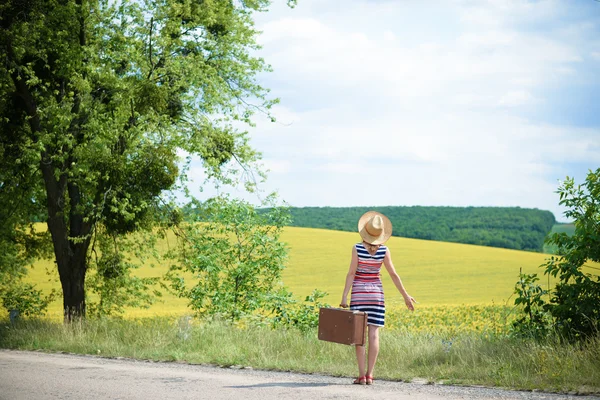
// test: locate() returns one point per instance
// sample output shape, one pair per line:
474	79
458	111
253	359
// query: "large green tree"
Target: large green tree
97	100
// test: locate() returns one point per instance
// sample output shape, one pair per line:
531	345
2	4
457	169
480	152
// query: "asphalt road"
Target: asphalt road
35	375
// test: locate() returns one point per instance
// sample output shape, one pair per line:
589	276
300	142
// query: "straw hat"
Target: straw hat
374	227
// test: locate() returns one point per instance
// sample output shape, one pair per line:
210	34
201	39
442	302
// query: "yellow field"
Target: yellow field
435	273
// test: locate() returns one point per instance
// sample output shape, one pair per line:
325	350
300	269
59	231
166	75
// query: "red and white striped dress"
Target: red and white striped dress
367	290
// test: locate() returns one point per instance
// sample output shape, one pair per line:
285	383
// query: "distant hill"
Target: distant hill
505	227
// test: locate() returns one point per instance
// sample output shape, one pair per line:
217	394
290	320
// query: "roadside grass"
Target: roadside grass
465	358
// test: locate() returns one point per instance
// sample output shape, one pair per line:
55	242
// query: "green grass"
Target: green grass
469	359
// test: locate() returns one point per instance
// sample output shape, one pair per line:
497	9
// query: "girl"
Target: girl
367	292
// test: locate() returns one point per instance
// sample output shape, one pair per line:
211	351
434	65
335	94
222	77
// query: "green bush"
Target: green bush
234	255
304	316
573	304
26	299
536	321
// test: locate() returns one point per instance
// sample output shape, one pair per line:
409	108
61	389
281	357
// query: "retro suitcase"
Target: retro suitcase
342	326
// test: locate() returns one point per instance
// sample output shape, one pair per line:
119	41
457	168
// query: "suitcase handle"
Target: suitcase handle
344	309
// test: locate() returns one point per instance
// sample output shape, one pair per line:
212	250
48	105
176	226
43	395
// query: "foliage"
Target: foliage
25	298
19	248
567	228
535	321
113	281
512	228
573	303
20	244
97	101
287	312
234	255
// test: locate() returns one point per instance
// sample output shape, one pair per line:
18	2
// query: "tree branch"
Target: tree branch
150	48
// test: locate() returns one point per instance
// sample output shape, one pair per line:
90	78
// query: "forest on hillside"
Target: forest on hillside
506	227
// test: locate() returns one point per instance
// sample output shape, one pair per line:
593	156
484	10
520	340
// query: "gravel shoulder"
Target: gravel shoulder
37	375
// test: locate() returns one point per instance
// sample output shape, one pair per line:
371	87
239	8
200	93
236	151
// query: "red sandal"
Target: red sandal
368	379
361	380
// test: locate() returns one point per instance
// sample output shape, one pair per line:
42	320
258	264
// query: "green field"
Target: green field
435	273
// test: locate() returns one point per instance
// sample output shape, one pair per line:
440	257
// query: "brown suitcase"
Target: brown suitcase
342	326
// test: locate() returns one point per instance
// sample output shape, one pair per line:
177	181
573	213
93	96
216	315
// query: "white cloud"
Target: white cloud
275	166
475	64
465	158
389	36
497	13
388	104
517	98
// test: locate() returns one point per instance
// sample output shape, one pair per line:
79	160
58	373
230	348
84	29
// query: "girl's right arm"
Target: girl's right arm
350	277
389	265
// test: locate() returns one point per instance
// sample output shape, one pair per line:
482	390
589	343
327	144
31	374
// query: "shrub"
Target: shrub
26	299
573	303
287	312
536	321
234	255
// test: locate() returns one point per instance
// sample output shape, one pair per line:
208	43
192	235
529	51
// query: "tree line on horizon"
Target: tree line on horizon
505	227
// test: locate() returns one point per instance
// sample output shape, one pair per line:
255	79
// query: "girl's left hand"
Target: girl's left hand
410	302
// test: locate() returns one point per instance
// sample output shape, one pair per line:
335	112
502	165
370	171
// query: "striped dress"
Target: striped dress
367	290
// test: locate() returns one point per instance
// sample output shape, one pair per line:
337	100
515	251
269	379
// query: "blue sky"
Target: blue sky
446	103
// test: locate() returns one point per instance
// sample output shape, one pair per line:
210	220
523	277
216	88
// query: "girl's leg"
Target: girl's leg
373	348
360	358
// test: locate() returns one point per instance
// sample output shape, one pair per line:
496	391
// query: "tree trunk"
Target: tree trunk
72	279
70	241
